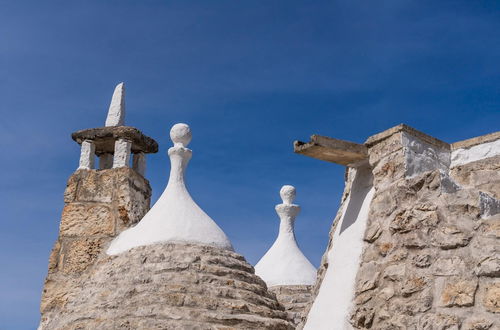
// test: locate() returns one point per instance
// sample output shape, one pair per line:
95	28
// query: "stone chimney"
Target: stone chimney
99	202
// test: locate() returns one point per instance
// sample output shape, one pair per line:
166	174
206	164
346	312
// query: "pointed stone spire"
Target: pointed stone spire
116	112
284	263
175	217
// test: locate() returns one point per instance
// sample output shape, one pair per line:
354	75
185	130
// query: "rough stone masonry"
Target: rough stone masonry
430	257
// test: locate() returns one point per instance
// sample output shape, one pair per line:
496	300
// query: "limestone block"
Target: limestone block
389	169
458	292
82	219
367	277
489	266
413	284
80	254
423	260
96	186
71	188
491	298
448	266
450	237
384	148
439	322
477	323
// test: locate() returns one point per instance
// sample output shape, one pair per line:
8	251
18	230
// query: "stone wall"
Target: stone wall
430	258
99	204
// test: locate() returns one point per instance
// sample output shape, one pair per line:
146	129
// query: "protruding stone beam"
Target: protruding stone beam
87	155
332	150
116	112
122	153
139	163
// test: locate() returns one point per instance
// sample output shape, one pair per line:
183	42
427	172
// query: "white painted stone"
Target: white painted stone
331	307
482	151
421	156
139	163
116	112
175	217
284	263
105	161
121	156
87	155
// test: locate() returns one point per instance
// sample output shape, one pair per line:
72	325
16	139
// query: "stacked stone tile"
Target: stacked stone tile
430	258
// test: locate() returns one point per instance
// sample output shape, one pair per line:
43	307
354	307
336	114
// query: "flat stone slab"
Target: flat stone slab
104	139
332	150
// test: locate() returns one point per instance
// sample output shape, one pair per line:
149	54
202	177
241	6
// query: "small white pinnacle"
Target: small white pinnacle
287	194
284	263
116	112
180	134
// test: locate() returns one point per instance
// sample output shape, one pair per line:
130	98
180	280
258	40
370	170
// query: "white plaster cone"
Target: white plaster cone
116	112
175	217
284	263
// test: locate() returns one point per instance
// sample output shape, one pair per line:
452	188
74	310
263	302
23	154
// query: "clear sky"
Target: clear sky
249	77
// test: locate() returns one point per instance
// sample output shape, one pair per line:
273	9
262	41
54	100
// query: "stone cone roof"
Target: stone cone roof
170	286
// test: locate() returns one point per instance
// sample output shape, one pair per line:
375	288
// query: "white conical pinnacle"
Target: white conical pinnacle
175	217
116	112
284	263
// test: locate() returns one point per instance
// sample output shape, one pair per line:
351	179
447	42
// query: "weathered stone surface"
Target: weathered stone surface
489	266
451	237
459	292
79	219
491	299
169	286
80	254
294	298
476	323
439	322
105	137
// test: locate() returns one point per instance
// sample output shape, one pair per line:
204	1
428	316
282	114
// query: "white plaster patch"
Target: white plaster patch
284	263
175	217
421	156
486	150
331	307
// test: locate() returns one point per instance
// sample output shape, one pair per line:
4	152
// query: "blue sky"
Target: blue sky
249	77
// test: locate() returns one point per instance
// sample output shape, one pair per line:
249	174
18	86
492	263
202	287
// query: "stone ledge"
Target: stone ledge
332	150
374	139
465	144
104	139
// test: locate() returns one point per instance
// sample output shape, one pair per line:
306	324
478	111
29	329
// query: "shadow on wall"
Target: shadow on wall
360	187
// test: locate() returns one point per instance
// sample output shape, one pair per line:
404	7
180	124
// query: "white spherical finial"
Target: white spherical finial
180	134
287	194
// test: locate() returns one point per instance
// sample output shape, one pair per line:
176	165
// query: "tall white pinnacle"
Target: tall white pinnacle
175	217
116	112
284	263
